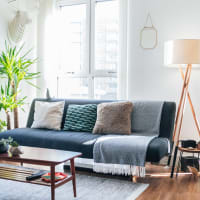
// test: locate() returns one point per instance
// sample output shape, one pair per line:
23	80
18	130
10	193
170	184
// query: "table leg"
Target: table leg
52	182
72	167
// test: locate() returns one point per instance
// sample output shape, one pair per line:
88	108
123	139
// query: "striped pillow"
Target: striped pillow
80	117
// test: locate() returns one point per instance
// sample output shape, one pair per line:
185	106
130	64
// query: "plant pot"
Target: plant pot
15	151
3	148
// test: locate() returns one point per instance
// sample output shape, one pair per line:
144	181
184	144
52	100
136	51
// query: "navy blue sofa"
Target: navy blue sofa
82	141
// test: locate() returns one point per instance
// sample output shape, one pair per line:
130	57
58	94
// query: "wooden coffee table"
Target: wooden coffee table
40	156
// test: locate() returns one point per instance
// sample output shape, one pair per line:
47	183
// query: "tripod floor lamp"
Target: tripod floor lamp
177	53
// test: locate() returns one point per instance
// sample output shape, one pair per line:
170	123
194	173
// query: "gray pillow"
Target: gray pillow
114	118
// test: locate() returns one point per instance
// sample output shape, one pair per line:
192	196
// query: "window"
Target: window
89	48
74	38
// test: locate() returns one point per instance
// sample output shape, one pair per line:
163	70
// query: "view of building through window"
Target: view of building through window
89	50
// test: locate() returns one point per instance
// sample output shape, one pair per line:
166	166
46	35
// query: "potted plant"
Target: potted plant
14	148
8	103
4	144
15	68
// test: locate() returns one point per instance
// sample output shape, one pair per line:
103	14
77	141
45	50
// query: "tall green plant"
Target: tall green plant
3	124
15	67
8	103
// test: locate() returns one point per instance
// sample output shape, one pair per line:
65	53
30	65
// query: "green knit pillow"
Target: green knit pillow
80	117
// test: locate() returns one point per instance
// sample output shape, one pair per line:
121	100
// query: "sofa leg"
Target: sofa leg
169	160
134	179
170	155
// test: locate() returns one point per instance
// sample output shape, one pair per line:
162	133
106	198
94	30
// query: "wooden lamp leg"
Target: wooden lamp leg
184	98
181	109
191	105
178	111
180	102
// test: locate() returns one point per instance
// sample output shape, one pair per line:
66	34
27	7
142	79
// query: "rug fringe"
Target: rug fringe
117	169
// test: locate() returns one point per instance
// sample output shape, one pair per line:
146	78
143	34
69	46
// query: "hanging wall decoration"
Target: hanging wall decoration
24	11
17	26
148	35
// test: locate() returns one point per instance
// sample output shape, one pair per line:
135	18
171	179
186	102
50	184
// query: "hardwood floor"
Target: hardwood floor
161	186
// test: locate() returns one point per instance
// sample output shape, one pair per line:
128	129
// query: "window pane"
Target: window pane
105	88
73	38
72	87
106	35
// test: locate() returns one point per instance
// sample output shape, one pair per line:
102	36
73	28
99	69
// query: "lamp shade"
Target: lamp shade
182	51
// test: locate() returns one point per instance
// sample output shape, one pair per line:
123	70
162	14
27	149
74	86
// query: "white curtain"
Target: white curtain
126	37
47	47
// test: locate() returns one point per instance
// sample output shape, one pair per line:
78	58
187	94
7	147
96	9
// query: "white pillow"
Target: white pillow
48	115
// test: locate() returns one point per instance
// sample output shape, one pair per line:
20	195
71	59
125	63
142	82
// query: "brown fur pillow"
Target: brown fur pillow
114	118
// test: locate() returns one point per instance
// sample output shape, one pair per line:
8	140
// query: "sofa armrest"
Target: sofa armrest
167	120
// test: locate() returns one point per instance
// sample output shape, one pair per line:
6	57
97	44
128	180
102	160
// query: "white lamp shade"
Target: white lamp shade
182	51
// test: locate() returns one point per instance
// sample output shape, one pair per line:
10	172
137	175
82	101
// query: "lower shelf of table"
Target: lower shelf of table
20	174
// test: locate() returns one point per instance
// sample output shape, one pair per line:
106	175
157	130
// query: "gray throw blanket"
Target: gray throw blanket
127	154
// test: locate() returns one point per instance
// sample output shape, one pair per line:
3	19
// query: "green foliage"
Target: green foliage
6	141
15	68
8	100
9	141
14	144
2	125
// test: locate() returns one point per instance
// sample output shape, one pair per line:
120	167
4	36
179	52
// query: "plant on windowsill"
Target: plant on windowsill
15	68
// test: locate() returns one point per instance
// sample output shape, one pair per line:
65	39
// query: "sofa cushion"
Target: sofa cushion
114	118
64	140
80	117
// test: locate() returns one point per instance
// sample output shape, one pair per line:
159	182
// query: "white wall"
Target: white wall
148	78
4	18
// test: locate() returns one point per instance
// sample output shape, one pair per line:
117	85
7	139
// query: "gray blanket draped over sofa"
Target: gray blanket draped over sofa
127	154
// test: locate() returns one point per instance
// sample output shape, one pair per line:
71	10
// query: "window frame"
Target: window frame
89	72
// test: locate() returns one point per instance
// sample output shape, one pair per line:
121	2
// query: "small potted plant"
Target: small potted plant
4	144
14	148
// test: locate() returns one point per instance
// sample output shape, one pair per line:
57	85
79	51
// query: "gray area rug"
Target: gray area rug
88	188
